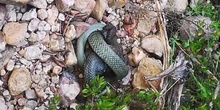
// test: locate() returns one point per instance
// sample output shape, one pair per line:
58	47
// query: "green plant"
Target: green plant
101	97
54	102
200	87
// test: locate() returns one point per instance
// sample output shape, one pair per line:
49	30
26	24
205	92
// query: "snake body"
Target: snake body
96	62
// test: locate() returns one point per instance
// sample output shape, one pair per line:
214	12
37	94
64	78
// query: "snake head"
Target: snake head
111	30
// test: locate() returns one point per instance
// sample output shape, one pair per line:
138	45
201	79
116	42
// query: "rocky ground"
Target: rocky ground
37	43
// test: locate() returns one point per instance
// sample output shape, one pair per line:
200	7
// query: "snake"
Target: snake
102	57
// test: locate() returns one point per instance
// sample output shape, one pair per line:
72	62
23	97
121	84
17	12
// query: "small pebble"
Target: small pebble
42	14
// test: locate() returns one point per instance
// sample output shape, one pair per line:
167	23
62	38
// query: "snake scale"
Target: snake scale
103	54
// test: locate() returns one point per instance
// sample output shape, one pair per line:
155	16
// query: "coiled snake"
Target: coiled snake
103	54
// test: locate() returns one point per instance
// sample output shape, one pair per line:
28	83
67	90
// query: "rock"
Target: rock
178	6
50	1
39	91
42	14
25	62
3	106
69	88
2	42
27	16
145	25
39	3
135	56
70	57
10	13
147	67
56	27
80	27
99	9
152	45
55	79
33	25
70	33
30	94
19	81
6	95
64	5
31	104
57	45
44	26
1	83
188	29
61	17
85	6
22	101
15	33
33	52
6	55
10	65
14	1
2	15
41	35
43	83
52	15
57	69
117	3
19	16
33	37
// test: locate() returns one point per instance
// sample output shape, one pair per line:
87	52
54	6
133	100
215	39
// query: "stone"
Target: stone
25	62
145	25
188	29
99	9
43	83
61	17
3	106
19	81
56	27
57	69
19	16
30	94
147	67
33	25
15	33
70	57
10	65
1	83
33	37
22	101
85	6
57	45
55	79
52	15
31	104
33	52
64	5
10	13
2	42
14	1
39	91
117	3
50	1
69	87
27	16
6	95
152	45
2	15
80	27
70	33
41	35
39	3
42	14
178	6
135	56
44	26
